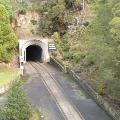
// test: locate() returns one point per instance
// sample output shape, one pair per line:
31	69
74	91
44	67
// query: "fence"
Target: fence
59	64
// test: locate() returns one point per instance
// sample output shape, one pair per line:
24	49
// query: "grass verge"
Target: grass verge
36	115
7	75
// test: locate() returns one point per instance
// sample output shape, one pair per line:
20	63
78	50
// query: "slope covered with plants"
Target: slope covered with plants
8	40
92	49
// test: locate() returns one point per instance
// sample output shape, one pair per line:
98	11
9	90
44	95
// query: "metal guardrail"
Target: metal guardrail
106	106
98	99
58	64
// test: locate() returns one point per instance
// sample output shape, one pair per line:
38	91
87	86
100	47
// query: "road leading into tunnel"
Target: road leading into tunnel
57	95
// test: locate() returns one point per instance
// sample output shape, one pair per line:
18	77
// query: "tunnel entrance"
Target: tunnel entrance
34	53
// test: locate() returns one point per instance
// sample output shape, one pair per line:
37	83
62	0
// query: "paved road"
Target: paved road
40	96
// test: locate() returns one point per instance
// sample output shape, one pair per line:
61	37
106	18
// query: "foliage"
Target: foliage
55	18
96	47
36	115
34	22
22	5
103	47
6	73
67	56
16	106
6	3
58	42
102	40
13	6
73	4
7	36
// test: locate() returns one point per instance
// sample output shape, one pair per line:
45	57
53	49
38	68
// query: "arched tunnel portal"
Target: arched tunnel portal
34	53
33	50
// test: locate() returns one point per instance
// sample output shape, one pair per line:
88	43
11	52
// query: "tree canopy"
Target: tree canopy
56	16
7	36
13	6
96	48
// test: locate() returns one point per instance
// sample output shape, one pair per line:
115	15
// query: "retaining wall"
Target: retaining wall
86	87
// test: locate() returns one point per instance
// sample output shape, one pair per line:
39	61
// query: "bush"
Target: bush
22	12
58	42
54	18
73	4
34	22
68	56
115	91
16	106
77	57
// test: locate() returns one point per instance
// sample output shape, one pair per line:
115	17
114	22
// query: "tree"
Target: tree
14	6
103	50
55	18
7	36
97	47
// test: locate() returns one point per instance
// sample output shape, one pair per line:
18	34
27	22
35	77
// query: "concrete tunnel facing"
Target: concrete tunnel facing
33	50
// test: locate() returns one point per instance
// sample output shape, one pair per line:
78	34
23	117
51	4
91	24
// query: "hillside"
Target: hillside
87	37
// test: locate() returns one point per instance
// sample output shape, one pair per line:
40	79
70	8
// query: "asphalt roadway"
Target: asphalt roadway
40	96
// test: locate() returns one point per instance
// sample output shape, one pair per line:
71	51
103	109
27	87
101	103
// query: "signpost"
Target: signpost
51	47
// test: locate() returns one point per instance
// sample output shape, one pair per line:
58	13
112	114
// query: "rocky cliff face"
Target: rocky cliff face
25	25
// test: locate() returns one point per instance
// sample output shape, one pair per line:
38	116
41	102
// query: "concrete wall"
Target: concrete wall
43	43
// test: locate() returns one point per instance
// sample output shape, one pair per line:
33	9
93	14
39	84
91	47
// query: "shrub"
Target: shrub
73	4
58	42
54	18
115	91
22	12
16	106
34	22
68	56
77	56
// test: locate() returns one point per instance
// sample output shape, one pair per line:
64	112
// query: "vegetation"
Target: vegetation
16	107
8	9
36	115
14	6
102	54
56	16
73	4
7	75
7	36
95	48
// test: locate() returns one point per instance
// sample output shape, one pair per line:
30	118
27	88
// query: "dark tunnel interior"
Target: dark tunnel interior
33	53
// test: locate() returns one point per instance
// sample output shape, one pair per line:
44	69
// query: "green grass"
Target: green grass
7	75
36	115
